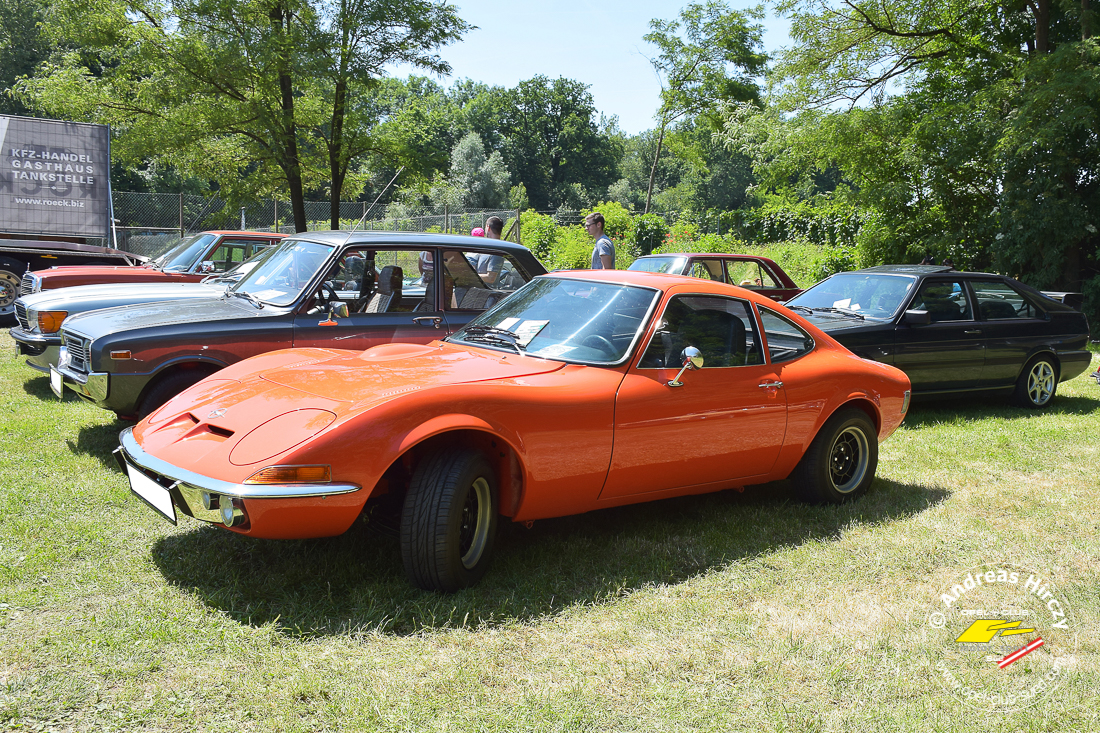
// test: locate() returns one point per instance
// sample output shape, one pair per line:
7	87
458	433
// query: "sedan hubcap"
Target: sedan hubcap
848	460
474	532
1040	383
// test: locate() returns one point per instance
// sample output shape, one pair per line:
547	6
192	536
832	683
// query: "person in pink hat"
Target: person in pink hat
477	232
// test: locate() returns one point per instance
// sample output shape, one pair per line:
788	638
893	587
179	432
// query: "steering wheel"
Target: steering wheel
599	342
326	295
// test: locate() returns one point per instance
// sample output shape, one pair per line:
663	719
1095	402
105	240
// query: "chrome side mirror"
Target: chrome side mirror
692	359
338	310
206	267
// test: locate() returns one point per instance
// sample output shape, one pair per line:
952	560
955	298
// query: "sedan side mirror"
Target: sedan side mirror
917	318
207	267
692	359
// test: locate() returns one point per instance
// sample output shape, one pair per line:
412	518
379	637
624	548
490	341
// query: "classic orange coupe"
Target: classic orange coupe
582	390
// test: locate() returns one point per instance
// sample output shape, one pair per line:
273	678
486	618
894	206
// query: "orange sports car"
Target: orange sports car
582	390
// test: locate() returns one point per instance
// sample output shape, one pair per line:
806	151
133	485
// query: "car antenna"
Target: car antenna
379	198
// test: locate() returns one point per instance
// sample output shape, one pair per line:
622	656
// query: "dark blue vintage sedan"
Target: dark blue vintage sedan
951	331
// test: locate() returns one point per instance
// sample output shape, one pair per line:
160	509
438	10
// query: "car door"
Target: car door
386	298
1012	327
726	422
474	281
948	353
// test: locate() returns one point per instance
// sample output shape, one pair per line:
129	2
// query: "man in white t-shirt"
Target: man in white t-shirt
603	252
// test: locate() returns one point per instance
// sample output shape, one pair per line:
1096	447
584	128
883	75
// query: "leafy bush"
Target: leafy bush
649	232
539	232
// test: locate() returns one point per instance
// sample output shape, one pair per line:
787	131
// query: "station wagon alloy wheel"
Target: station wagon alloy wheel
1040	383
848	460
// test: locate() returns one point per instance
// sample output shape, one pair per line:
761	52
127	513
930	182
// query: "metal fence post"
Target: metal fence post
181	215
276	202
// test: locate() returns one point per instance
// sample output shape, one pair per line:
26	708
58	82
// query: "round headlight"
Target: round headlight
207	501
227	513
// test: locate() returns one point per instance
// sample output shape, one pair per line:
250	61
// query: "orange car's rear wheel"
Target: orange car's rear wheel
841	461
449	520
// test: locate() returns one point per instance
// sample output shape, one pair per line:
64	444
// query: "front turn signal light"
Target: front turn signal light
50	321
292	475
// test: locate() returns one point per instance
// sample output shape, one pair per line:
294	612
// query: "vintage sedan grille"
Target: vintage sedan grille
26	285
77	347
21	316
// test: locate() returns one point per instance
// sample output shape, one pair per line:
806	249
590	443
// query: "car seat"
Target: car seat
997	309
387	292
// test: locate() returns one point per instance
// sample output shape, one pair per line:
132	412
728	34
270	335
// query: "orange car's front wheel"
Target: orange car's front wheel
449	520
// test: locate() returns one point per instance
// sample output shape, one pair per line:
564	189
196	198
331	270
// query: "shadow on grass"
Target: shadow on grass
929	411
355	582
99	441
39	386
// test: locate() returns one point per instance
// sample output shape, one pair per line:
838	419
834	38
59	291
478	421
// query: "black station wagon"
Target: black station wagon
953	332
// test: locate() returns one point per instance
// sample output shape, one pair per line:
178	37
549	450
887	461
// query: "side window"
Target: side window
706	270
478	280
228	254
997	301
379	280
786	341
945	300
721	328
749	274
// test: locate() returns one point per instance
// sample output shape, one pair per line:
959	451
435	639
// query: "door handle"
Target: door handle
770	385
974	332
425	320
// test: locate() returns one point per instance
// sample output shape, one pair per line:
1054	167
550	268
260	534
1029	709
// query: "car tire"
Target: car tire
168	387
841	461
1037	383
11	276
449	520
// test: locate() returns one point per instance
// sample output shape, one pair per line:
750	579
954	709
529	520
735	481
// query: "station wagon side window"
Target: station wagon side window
749	274
997	301
231	252
706	270
723	329
945	300
786	340
476	281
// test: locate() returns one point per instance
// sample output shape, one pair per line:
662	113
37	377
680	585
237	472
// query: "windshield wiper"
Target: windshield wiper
244	294
843	312
801	308
493	335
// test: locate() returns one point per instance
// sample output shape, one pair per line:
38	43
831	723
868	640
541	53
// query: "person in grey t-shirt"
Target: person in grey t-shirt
603	252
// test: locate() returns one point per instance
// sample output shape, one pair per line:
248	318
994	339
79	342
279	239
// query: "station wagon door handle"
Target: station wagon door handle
973	332
770	385
425	320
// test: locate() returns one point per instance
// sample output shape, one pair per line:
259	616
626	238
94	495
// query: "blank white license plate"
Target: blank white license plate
57	383
152	493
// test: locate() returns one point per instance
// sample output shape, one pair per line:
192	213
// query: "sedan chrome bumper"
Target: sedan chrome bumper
41	350
92	386
130	451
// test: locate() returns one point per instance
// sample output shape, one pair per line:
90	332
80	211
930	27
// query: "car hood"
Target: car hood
91	297
837	325
66	275
305	390
125	318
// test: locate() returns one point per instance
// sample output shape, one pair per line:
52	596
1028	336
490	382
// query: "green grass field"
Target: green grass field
734	611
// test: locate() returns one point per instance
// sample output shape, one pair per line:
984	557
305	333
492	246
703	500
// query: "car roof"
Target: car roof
715	255
243	233
925	270
415	239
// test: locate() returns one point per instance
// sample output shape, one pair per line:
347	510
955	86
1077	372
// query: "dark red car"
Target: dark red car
189	261
751	272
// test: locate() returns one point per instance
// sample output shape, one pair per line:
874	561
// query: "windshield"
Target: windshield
281	272
183	255
571	320
873	295
672	265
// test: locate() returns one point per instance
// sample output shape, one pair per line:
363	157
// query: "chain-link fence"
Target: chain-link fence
148	223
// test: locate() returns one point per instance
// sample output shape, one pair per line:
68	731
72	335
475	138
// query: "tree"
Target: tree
249	93
23	47
552	142
969	129
713	62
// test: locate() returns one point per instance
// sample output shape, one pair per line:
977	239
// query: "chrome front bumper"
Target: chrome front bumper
130	451
41	350
92	386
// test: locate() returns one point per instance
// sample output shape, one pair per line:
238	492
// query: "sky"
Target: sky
597	42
